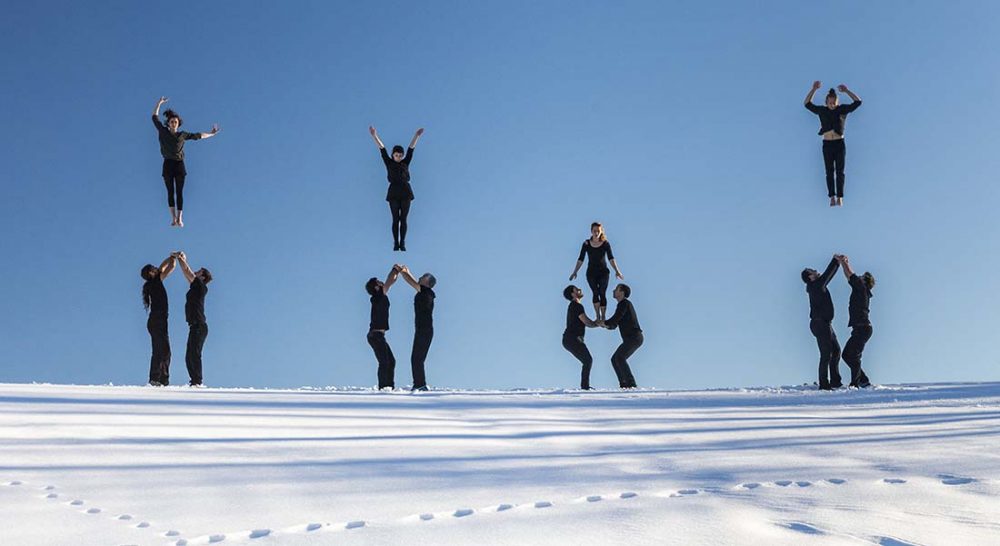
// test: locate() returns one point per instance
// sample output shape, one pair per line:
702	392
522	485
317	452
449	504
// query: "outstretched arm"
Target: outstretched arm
812	91
616	318
215	130
390	280
416	137
586	321
185	268
167	267
374	133
409	278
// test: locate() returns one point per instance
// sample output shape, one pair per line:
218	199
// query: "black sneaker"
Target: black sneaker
402	246
395	247
422	388
155	384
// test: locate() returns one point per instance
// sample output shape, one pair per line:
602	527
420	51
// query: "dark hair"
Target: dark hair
144	272
398	148
805	274
431	280
625	289
370	286
869	280
569	291
832	93
207	275
170	114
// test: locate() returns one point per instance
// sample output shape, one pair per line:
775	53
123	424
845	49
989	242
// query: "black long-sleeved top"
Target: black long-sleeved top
596	255
194	306
398	174
860	298
423	308
172	144
820	302
380	311
625	320
158	304
833	119
574	327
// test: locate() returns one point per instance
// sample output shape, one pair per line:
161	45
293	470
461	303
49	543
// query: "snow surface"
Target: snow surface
910	464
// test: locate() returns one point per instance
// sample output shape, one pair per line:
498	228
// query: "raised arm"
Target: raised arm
416	137
809	97
408	277
390	280
831	270
374	133
843	89
185	268
167	267
156	112
845	262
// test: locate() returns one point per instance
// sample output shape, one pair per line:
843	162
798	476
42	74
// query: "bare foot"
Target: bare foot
180	223
840	201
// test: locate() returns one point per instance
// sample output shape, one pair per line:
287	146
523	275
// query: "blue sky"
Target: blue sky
678	125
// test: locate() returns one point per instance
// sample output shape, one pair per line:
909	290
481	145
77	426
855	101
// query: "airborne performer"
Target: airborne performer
172	149
832	118
596	248
400	193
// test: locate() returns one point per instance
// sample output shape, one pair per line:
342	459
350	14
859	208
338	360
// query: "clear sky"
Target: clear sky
678	124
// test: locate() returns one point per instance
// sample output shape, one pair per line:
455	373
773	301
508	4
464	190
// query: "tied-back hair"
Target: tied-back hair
569	291
370	286
805	275
170	114
602	236
869	280
832	93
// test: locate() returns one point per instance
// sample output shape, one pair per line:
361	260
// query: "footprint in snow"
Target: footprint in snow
595	498
94	511
48	488
14	483
142	525
172	533
893	480
259	533
76	503
125	517
504	507
216	538
686	492
628	495
836	481
948	479
355	524
426	517
313	527
783	483
889	541
801	528
543	504
181	542
751	485
803	484
462	512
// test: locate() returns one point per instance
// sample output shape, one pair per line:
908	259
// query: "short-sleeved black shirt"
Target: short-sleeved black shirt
380	311
574	327
833	119
625	320
423	307
172	144
194	307
596	255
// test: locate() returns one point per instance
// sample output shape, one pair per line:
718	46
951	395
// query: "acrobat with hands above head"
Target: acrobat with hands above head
400	193
379	325
596	248
577	323
821	323
627	323
860	324
423	333
172	149
194	313
154	299
832	119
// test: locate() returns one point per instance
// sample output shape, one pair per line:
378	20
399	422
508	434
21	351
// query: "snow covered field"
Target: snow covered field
897	465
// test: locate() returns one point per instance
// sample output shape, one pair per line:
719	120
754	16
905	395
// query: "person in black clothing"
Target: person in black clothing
577	323
379	325
861	326
172	149
596	248
194	312
832	118
400	192
423	334
154	299
821	324
628	326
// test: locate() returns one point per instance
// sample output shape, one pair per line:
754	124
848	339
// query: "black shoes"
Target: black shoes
402	247
422	388
395	247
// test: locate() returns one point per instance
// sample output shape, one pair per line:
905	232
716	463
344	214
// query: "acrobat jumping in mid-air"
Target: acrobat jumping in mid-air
172	149
832	118
400	192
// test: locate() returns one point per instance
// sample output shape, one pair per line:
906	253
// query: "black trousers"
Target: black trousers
422	338
860	335
386	361
598	281
159	362
619	360
192	357
829	354
578	349
400	209
174	174
834	154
